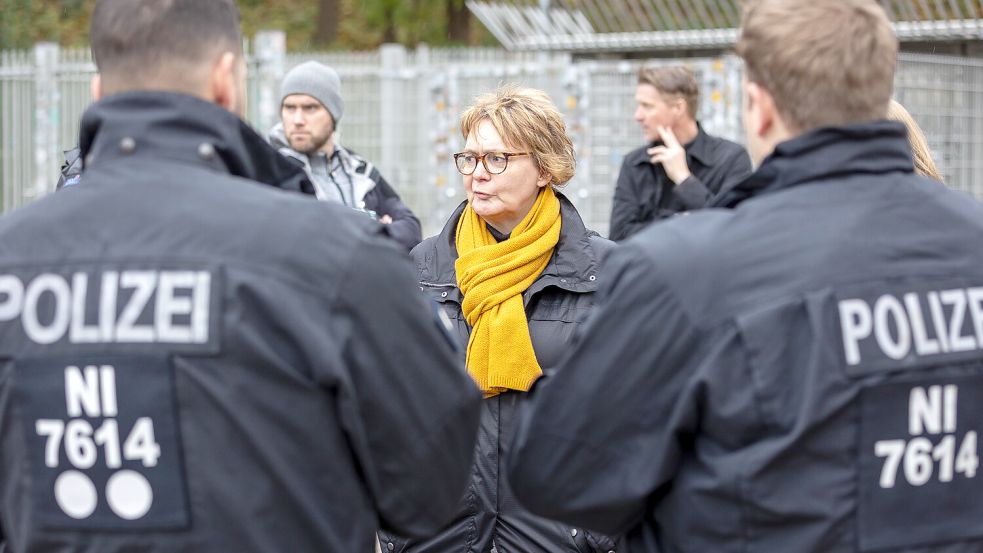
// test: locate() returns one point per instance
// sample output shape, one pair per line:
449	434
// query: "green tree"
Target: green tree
329	11
25	22
340	24
458	22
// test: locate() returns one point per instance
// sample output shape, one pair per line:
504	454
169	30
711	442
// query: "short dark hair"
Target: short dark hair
145	41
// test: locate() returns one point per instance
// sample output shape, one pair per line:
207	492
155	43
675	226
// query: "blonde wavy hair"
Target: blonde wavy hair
526	118
924	165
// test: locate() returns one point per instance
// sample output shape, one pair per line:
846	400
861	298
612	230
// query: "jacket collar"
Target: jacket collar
182	128
278	139
356	168
573	266
826	153
698	149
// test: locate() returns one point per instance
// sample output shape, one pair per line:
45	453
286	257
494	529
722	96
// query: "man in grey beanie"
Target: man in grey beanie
310	108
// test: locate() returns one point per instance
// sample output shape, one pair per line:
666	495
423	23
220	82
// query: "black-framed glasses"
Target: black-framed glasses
494	162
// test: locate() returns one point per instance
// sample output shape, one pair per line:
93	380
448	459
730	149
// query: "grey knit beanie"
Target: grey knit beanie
318	81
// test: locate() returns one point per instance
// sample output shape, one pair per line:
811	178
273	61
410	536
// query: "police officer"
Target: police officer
193	360
800	374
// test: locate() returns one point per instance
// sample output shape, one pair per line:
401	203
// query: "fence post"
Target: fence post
46	120
425	151
271	56
394	58
733	69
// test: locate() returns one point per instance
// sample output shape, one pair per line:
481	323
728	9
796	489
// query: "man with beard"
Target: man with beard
310	109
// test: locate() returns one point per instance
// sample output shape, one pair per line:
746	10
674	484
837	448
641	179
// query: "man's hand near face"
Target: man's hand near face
671	155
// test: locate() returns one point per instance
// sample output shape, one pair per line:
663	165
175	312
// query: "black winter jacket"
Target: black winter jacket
644	193
183	368
255	161
803	373
556	304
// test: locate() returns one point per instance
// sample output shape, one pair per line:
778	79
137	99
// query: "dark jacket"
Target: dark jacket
778	377
358	184
185	346
556	304
645	193
255	161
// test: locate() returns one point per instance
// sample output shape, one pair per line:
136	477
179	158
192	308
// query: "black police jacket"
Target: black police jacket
556	303
272	170
191	360
803	373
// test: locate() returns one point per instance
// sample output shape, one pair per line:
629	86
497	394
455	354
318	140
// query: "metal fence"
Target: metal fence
945	96
402	106
594	26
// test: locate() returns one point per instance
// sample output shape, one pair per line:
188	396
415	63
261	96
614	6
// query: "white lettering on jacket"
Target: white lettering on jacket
923	324
131	306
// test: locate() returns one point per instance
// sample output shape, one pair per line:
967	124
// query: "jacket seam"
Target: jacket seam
743	483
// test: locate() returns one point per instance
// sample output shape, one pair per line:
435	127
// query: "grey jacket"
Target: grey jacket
358	184
184	368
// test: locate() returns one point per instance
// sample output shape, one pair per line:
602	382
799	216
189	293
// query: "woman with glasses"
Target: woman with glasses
516	271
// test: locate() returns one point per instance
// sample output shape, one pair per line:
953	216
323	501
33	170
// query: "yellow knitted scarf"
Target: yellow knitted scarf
492	276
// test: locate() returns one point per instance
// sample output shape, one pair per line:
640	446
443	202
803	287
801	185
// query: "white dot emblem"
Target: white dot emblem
129	494
76	494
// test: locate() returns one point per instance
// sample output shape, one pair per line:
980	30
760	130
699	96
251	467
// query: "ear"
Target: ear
95	87
544	179
760	110
223	82
334	126
681	107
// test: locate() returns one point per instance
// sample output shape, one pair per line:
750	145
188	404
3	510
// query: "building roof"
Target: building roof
627	25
